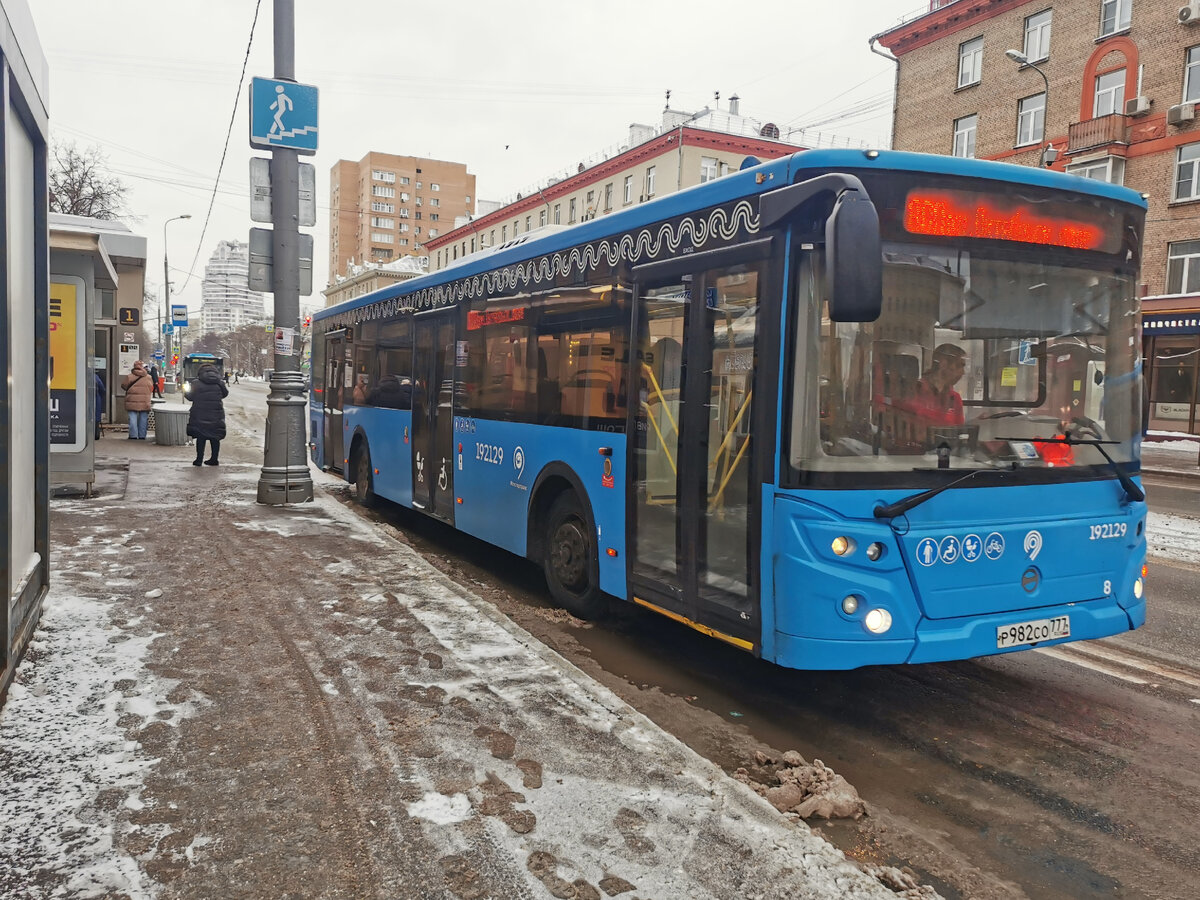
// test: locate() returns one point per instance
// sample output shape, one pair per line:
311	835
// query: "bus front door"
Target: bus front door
336	373
433	415
694	509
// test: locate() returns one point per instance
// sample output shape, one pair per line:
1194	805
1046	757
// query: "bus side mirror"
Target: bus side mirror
853	259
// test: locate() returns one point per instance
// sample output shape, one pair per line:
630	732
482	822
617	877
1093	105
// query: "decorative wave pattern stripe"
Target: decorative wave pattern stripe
665	238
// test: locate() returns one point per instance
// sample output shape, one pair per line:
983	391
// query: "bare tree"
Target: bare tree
81	185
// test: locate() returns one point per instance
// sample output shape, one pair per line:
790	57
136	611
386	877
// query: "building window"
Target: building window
433	217
1031	119
1110	94
418	185
516	227
608	197
380	206
378	190
541	218
434	201
380	237
964	136
389	177
503	234
628	189
1114	16
433	233
1187	173
528	223
571	211
434	186
417	230
404	196
708	168
1183	267
591	205
403	213
970	62
467	199
1110	169
418	215
1191	76
557	213
418	203
404	179
403	242
403	227
382	222
1037	36
650	182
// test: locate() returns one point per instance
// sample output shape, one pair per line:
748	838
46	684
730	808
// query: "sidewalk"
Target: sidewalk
1173	456
230	700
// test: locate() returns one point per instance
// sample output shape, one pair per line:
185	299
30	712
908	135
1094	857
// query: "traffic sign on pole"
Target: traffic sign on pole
283	114
179	315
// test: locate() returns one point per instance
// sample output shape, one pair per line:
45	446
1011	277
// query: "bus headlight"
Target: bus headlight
878	621
842	546
850	604
1138	589
874	551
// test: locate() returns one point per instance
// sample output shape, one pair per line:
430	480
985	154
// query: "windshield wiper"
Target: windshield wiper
1132	491
891	510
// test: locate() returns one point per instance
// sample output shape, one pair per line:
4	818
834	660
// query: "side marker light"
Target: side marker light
611	551
874	551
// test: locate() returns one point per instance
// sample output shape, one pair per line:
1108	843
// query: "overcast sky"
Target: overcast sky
154	83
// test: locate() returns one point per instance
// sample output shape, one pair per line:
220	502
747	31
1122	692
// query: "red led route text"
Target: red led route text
945	215
477	320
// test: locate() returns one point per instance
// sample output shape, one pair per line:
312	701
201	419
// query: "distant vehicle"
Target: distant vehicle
730	405
191	368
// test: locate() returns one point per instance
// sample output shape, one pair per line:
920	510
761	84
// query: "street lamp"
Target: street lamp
1048	154
167	274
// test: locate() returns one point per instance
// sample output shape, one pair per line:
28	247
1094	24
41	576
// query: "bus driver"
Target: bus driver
934	401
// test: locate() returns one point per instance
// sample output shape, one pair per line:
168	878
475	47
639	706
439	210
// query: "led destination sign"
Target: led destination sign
966	214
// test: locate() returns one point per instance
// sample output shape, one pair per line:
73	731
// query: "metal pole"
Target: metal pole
167	284
285	477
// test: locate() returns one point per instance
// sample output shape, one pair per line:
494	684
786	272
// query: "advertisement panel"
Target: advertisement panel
68	367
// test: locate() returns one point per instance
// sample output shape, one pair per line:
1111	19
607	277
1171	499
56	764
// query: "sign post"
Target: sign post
283	119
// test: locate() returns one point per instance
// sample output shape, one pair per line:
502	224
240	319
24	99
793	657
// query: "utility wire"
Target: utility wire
225	150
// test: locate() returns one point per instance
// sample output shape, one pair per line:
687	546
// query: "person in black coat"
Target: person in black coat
206	421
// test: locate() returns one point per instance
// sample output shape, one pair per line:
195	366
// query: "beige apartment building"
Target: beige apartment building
1105	89
685	150
385	207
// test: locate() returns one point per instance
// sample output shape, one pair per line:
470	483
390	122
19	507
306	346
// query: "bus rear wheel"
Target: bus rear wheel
571	563
364	491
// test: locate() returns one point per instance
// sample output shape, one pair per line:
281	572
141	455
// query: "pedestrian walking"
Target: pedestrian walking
154	383
138	394
206	421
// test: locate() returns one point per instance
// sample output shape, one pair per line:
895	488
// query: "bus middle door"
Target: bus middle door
336	373
433	414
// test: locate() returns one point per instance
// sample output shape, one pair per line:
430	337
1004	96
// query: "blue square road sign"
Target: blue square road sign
283	114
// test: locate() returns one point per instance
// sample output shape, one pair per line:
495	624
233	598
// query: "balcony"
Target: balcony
1098	132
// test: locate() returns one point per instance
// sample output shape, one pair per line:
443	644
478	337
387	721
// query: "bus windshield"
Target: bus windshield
981	358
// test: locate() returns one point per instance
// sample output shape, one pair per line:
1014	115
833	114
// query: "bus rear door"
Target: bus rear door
336	372
694	510
433	414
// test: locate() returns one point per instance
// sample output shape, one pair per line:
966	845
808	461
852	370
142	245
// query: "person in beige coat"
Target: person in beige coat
138	392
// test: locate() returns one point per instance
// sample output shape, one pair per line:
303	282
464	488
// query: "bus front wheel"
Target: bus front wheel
364	491
571	564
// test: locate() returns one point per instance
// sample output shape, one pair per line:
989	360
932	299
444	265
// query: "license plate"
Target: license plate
1033	632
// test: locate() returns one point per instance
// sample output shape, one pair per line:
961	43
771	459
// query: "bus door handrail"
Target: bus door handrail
729	433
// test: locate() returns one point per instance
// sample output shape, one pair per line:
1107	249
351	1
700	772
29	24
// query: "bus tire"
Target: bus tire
571	562
364	483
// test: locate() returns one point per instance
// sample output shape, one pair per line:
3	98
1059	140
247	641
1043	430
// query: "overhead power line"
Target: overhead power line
232	115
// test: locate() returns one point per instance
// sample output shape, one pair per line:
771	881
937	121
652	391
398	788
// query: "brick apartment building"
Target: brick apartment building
384	207
686	150
1113	86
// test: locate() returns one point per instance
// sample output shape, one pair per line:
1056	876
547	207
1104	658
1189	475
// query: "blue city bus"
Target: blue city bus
716	405
193	362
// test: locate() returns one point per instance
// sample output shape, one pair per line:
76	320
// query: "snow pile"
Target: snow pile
70	776
809	790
